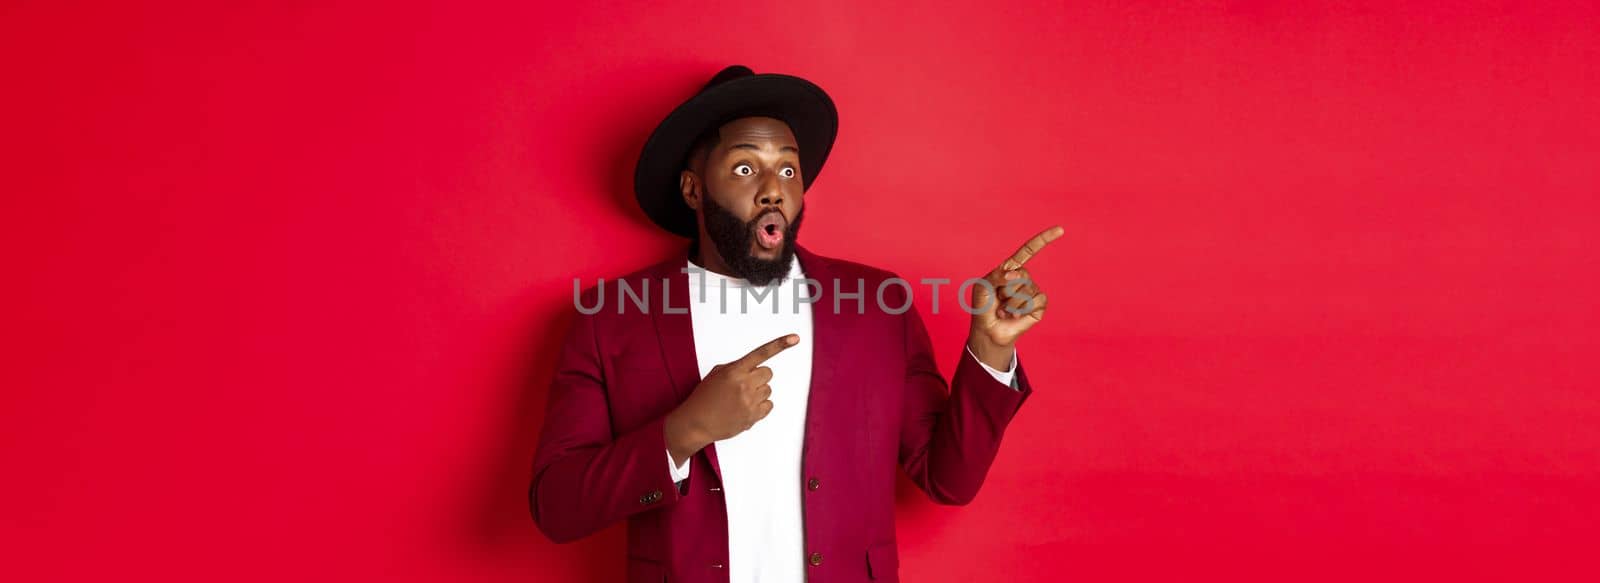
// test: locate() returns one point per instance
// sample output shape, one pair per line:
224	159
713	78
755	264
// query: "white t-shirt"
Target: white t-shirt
761	482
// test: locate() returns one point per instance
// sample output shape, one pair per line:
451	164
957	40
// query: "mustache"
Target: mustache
763	214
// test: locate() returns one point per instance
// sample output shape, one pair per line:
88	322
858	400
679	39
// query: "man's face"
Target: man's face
748	194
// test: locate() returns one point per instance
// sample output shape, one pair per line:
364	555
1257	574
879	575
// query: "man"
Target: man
746	425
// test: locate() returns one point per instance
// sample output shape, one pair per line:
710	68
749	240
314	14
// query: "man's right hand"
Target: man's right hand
728	401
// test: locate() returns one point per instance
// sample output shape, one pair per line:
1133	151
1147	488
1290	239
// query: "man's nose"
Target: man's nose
770	194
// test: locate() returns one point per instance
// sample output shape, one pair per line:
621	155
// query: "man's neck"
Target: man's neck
706	257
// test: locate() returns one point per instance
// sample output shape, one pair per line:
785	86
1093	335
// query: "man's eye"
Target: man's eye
743	170
786	173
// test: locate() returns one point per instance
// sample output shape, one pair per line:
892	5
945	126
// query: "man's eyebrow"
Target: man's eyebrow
755	147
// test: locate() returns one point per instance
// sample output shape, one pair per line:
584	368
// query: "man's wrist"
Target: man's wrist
994	355
682	438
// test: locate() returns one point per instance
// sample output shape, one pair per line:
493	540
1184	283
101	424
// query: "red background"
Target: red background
284	282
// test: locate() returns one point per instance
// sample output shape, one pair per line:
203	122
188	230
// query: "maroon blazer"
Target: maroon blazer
877	402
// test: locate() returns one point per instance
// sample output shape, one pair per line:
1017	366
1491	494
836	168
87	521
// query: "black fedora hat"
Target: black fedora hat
733	93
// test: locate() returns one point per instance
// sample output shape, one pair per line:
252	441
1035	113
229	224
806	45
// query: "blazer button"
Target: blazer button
650	498
813	484
816	559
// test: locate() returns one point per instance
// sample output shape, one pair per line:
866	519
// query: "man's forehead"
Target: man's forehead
759	132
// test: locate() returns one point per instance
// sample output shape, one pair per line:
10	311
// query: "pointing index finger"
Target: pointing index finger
768	350
1032	247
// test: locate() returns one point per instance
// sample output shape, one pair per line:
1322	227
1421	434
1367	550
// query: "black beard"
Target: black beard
733	238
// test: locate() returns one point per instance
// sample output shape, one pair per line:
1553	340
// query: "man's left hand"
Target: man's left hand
1015	305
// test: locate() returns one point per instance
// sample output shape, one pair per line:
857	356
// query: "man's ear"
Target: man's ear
688	186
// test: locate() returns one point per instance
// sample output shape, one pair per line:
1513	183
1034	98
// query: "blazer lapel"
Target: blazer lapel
827	328
675	333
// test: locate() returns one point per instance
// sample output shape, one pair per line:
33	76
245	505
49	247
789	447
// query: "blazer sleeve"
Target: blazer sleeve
950	432
586	477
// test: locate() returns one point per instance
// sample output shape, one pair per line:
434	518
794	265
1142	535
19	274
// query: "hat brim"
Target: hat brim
809	112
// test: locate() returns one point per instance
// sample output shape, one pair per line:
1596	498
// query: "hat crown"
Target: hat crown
728	74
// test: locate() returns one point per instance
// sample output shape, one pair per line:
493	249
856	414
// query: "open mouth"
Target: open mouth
769	230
